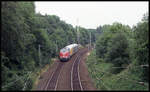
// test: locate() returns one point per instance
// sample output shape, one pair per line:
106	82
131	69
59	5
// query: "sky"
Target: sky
93	14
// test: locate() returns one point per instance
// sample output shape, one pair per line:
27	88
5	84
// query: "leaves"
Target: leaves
23	31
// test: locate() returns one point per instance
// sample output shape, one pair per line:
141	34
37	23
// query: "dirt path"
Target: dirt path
64	78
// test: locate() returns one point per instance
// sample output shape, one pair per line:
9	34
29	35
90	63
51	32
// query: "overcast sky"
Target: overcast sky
93	14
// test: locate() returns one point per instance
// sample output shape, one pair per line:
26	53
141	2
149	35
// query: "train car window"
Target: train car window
68	49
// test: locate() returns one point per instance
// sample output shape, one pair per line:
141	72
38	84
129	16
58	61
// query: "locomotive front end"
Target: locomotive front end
64	54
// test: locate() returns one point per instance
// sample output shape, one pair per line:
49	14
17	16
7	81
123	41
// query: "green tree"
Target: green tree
142	45
118	53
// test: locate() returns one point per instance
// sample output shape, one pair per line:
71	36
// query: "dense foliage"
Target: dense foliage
112	45
29	40
121	51
141	36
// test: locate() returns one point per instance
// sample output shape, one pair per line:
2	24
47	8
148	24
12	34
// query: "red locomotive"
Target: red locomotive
68	51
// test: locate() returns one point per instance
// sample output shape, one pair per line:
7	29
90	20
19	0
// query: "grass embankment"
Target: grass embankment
101	74
36	75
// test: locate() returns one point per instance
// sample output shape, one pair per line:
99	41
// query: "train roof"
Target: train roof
72	45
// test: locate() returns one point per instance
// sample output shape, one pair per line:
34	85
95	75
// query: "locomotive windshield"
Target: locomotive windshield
64	50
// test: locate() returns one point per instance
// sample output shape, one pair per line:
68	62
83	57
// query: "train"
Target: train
67	52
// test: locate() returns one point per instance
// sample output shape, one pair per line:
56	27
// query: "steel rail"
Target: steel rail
77	62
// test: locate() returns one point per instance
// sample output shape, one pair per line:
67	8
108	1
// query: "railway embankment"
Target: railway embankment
104	78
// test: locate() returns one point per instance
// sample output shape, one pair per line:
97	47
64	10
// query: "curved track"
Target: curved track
75	76
52	82
75	83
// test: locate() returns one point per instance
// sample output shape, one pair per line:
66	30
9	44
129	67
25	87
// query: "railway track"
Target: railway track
75	76
53	80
